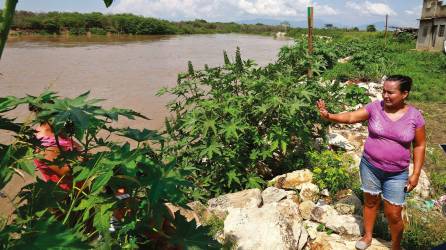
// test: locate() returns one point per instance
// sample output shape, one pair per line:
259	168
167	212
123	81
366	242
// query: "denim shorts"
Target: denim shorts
389	184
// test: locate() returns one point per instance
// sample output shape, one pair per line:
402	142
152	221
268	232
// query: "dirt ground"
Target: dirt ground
10	191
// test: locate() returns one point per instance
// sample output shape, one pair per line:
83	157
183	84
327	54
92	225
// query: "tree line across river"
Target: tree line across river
100	24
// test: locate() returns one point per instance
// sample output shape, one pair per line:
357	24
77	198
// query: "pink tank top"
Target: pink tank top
48	174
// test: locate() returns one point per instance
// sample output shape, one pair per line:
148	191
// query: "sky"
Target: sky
339	12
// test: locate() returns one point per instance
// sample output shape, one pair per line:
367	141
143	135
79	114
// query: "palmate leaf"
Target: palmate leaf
254	181
102	217
211	149
230	130
114	114
141	135
48	233
188	236
233	176
164	182
100	181
108	3
9	124
209	123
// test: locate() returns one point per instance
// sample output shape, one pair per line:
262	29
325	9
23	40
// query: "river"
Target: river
127	71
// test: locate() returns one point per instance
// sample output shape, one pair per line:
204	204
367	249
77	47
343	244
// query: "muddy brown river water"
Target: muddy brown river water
127	71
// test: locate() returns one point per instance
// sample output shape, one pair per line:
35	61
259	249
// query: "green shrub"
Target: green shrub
98	31
355	95
331	170
239	124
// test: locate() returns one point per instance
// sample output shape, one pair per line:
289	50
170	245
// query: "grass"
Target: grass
435	164
427	69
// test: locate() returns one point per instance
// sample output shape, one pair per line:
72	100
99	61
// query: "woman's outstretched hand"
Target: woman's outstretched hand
322	109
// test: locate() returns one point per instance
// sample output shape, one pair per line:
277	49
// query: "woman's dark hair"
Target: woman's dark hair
405	82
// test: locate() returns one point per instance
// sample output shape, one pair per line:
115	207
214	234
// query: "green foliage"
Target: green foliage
355	95
331	170
97	23
425	230
238	124
48	217
405	37
371	28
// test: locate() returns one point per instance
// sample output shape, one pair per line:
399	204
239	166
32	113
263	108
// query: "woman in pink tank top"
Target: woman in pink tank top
58	174
395	128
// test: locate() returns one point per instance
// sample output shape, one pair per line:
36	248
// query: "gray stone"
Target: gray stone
350	198
272	226
305	209
423	189
309	192
344	208
292	180
339	141
343	224
273	194
250	198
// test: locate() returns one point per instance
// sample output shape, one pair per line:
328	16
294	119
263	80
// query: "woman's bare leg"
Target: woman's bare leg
393	215
371	207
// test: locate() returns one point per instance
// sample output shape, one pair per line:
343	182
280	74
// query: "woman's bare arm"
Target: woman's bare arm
359	115
419	149
52	153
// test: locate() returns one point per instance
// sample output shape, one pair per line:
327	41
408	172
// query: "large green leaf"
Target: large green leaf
108	2
49	234
100	181
188	236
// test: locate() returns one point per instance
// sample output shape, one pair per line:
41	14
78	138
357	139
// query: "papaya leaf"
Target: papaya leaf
48	233
141	135
100	181
108	3
188	236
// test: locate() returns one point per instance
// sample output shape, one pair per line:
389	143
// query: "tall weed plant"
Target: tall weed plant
48	217
239	124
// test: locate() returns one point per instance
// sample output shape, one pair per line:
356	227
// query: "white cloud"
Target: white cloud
325	10
415	11
218	9
369	8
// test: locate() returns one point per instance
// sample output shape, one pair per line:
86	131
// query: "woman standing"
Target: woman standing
394	126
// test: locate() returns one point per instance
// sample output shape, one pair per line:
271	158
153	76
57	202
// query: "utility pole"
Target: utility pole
385	31
310	36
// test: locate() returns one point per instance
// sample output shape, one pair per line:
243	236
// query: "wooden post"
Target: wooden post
310	38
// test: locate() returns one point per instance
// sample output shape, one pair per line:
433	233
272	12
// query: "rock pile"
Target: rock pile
290	214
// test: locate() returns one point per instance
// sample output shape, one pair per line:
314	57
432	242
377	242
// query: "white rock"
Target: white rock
337	140
273	226
325	192
273	194
311	228
292	180
343	224
336	242
309	192
423	189
305	209
353	200
250	198
343	208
